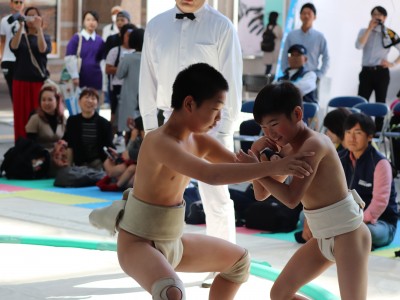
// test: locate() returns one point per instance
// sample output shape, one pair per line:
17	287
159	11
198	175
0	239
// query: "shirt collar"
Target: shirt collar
87	35
198	13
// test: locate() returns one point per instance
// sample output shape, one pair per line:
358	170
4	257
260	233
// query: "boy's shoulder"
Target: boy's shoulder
315	141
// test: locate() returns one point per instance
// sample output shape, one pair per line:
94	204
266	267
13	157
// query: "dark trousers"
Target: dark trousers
374	79
8	71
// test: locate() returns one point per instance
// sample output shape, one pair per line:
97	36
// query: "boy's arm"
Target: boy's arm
292	194
173	156
260	192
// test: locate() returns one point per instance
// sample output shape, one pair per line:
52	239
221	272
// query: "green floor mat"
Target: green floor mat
29	184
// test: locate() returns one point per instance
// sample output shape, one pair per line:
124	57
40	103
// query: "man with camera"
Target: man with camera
8	27
375	42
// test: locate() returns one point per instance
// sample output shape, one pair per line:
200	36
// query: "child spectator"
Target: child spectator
333	122
120	168
113	59
128	70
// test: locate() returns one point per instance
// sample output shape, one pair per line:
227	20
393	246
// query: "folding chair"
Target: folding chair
377	110
310	114
249	130
346	101
254	83
391	135
343	101
247	106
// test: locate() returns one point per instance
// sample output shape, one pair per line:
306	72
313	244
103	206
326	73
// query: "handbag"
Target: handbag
34	60
65	76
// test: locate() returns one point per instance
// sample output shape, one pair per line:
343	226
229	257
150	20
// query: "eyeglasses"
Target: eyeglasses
294	54
18	2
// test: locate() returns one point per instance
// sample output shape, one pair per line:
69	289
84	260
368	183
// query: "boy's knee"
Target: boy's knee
240	271
277	293
162	289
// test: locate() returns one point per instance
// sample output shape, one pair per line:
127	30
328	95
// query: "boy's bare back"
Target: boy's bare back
327	185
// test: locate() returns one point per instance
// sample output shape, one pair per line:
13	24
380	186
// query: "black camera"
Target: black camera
16	17
269	153
379	21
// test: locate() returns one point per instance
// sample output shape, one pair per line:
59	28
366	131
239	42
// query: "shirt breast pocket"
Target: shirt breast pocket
206	53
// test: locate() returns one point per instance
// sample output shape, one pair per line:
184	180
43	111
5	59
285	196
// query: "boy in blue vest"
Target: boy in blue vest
304	79
334	214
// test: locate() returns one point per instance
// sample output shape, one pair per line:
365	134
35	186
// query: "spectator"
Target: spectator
375	45
123	18
30	48
370	173
120	168
208	37
112	28
113	40
8	27
92	52
47	125
87	133
270	58
128	70
333	122
112	61
313	40
304	79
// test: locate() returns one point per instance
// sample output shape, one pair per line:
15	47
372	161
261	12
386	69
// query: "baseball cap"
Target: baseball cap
299	48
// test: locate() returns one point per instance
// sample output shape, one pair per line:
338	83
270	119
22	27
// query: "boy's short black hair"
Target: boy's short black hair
127	27
279	98
380	9
201	81
310	6
136	39
334	120
366	123
139	124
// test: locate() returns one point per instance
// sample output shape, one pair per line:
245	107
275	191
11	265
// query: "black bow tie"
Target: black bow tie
190	16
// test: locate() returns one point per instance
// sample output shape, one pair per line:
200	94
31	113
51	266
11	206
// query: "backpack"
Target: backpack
272	215
268	39
26	160
77	176
194	212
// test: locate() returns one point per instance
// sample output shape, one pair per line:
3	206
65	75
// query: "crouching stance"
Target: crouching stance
151	242
155	234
